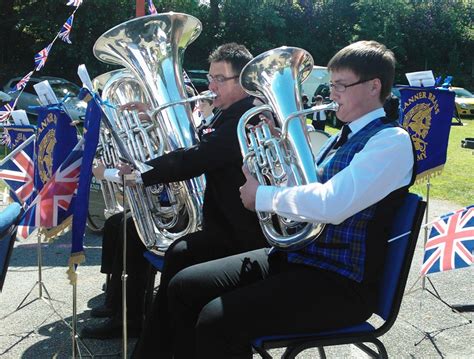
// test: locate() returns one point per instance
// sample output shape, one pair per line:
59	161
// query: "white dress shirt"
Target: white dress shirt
384	165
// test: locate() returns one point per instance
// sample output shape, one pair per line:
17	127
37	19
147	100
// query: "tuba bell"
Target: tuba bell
151	48
276	77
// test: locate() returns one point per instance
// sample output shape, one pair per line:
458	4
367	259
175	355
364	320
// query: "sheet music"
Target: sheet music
45	93
85	78
421	78
20	118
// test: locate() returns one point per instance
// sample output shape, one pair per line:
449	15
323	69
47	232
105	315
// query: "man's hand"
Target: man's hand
131	178
124	169
98	170
140	107
248	192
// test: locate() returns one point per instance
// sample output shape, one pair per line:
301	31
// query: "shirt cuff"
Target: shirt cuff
264	198
112	175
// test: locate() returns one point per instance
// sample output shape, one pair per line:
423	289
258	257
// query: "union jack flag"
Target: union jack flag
42	56
152	8
22	83
51	205
66	30
6	110
75	3
451	242
17	170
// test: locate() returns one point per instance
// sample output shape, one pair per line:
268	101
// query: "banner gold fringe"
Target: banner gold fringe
53	233
75	259
432	172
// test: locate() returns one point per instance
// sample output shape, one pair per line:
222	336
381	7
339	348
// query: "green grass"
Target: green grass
456	181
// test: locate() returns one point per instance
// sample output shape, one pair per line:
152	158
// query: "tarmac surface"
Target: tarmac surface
425	328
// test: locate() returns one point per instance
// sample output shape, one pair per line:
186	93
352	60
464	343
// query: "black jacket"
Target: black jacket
218	157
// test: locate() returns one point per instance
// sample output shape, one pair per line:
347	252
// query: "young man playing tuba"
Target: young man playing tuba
364	172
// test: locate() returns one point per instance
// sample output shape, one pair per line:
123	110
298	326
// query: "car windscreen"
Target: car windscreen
63	89
463	93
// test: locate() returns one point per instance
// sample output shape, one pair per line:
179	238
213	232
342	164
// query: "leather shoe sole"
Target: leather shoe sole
102	312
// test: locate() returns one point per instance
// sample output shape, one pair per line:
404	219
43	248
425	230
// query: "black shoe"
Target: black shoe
102	311
111	328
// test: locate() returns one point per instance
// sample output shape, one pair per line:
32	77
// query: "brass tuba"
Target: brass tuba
276	76
151	48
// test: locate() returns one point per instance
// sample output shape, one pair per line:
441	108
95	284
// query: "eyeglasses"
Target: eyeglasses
219	78
342	88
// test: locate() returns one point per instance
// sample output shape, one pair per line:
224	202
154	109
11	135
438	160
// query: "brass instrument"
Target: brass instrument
151	48
276	76
111	191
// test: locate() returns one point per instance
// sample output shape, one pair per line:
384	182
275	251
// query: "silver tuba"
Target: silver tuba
276	76
117	87
151	48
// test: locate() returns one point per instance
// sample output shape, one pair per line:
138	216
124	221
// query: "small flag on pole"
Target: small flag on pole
66	30
451	242
22	83
6	110
75	3
42	56
152	8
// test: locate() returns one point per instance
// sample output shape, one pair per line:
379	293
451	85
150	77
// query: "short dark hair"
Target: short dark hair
235	54
368	60
318	98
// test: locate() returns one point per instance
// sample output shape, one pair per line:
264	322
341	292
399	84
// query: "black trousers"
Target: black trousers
110	236
158	333
112	263
319	125
218	307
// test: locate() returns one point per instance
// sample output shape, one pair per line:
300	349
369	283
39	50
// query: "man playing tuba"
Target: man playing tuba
228	228
218	307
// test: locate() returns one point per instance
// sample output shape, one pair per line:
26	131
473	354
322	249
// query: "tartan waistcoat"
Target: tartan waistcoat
342	248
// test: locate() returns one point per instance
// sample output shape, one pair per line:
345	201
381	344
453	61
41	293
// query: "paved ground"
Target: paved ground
426	328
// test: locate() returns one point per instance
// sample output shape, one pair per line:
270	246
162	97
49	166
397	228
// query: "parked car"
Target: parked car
61	87
4	98
464	102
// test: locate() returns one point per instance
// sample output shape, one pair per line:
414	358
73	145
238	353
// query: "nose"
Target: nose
333	95
212	86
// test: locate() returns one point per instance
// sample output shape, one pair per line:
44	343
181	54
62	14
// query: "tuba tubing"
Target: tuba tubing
276	76
151	48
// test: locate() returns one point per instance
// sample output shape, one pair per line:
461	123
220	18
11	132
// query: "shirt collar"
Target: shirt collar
361	122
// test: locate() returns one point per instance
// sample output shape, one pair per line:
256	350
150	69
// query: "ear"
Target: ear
376	87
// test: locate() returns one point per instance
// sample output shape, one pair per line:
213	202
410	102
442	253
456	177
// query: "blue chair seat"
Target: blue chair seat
155	260
9	218
404	234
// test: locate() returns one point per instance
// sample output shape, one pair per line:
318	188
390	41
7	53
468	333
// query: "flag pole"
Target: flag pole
140	8
124	275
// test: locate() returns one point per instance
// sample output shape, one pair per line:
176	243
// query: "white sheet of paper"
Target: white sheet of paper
20	118
421	78
84	76
45	93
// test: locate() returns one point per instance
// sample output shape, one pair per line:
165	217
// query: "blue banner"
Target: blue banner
56	139
81	206
426	114
15	135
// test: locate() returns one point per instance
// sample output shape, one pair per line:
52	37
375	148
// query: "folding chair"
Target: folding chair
404	235
8	226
